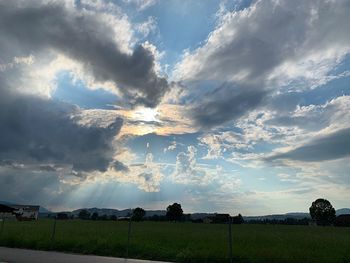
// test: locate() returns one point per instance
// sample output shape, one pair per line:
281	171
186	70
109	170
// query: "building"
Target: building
217	219
7	212
342	220
26	212
19	212
221	218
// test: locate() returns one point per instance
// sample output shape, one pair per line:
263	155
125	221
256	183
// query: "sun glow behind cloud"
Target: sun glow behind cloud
260	87
145	114
139	121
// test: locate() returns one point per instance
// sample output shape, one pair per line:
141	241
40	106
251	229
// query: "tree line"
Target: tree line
174	213
321	211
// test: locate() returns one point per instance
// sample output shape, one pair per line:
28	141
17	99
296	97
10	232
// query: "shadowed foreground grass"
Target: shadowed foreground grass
184	242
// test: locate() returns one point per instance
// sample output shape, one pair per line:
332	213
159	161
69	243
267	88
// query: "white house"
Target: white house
7	212
26	212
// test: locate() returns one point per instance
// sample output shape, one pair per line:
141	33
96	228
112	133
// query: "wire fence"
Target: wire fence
169	241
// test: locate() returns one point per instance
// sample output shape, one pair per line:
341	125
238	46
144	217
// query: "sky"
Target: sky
230	106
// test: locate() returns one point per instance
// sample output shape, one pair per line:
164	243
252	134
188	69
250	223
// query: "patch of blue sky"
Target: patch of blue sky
181	25
334	88
264	147
75	92
331	90
224	163
264	178
320	95
344	65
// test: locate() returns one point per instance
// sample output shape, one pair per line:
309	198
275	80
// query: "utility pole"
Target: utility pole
230	238
129	233
2	226
53	233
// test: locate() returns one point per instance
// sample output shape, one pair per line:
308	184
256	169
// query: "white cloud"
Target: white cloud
171	147
268	48
142	4
147	176
147	27
187	171
298	38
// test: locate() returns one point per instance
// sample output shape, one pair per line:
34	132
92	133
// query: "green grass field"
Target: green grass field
184	242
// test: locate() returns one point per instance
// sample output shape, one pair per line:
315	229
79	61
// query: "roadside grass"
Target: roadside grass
184	242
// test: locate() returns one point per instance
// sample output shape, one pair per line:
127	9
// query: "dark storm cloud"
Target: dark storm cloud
36	130
86	38
32	187
225	104
47	168
330	147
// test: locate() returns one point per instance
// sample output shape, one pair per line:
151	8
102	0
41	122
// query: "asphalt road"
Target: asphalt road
15	255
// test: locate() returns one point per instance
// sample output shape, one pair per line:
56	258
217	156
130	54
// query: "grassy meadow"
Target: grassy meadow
184	242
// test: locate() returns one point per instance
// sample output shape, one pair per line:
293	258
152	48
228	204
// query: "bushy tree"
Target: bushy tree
322	212
237	219
84	214
94	216
174	212
138	213
103	217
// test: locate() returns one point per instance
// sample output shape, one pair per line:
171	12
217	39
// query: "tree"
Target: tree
237	219
174	212
322	212
84	214
94	216
103	217
138	213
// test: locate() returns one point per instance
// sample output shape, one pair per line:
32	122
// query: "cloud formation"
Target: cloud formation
141	4
84	36
187	171
262	49
147	176
226	103
38	130
264	100
330	147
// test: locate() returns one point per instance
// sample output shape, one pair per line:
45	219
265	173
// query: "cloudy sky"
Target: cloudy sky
232	106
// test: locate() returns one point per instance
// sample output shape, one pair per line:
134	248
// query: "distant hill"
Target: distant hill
5	203
149	213
102	211
115	212
343	211
297	215
125	212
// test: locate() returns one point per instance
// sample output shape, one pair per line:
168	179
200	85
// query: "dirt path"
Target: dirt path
15	255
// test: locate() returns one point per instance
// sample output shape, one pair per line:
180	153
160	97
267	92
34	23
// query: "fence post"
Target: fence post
2	226
129	232
53	233
230	239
